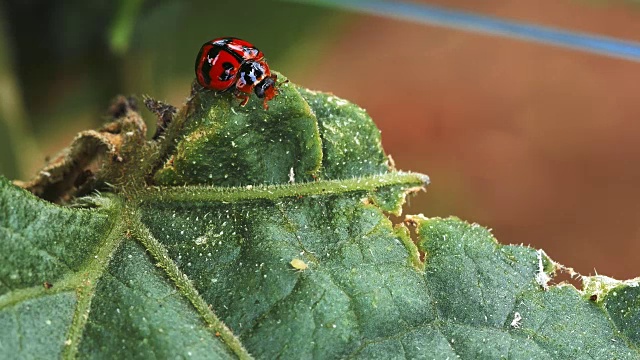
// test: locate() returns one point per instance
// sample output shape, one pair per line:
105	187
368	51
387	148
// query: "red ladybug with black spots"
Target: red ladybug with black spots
230	63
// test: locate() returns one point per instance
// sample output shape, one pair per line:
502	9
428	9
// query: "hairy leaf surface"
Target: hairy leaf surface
266	234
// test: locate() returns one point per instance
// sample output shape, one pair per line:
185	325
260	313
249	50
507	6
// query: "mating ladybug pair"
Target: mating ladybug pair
229	63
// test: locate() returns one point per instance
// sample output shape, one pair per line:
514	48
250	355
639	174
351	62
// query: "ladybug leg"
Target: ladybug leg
242	96
271	95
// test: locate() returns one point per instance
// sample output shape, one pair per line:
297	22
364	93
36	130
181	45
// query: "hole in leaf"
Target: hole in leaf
412	227
566	275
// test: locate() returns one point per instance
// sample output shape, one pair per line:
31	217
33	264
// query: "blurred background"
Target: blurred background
539	143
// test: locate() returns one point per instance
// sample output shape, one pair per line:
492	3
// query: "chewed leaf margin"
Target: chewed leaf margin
478	281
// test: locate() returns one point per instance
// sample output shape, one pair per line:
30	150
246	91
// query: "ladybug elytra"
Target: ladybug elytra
230	63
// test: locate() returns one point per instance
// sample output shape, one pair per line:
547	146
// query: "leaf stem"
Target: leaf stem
160	254
85	284
271	192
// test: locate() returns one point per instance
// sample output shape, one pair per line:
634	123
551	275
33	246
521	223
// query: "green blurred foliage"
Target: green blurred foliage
69	59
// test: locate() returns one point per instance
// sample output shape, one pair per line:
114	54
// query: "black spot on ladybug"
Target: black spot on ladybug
205	64
227	74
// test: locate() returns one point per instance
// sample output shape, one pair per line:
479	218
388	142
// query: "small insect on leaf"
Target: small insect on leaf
517	319
299	265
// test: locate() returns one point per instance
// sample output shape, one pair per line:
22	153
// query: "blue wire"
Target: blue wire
427	14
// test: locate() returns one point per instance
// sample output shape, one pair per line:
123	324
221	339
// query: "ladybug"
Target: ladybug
231	63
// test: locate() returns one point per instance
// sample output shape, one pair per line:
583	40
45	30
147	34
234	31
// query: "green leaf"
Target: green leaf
135	300
479	286
350	140
42	242
226	145
244	232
